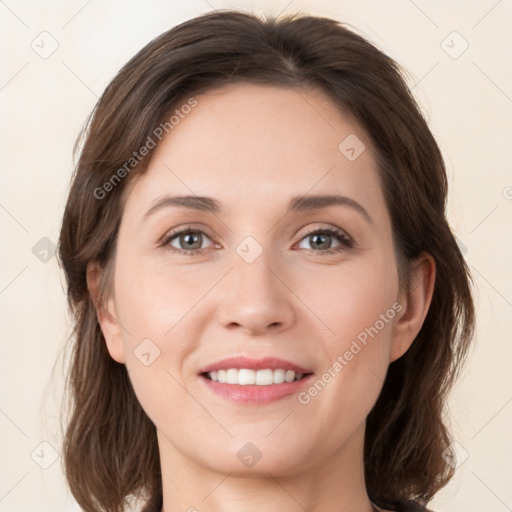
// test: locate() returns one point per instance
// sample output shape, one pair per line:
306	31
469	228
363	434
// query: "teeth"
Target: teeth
244	376
289	376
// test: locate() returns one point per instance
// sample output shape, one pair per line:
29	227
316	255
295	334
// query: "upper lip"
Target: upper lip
273	363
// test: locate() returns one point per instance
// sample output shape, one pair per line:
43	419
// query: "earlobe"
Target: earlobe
415	305
105	308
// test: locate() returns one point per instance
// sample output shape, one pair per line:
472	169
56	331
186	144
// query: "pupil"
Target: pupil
321	245
189	240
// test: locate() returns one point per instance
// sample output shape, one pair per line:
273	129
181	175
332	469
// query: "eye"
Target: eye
187	241
190	241
321	240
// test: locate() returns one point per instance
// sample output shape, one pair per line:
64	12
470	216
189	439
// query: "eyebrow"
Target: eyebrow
297	204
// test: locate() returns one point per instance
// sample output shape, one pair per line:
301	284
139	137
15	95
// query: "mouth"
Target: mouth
257	381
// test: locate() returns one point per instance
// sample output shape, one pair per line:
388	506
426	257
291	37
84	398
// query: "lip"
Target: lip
272	363
257	395
250	394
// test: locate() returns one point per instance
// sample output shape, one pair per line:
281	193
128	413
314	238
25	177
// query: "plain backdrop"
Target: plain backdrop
57	58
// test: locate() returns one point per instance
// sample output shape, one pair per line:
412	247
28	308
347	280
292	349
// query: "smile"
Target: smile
248	377
255	381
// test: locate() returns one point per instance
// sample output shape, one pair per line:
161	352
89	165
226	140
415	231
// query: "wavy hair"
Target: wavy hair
110	449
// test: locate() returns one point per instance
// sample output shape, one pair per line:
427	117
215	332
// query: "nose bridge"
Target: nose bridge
255	298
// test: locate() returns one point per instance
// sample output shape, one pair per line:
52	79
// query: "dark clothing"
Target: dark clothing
409	506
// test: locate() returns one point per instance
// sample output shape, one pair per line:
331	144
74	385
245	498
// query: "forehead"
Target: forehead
246	143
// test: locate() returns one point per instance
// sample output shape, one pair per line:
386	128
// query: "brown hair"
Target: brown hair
110	446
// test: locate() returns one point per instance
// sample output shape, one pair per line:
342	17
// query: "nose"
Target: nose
255	298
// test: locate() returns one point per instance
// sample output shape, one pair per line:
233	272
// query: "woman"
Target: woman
270	305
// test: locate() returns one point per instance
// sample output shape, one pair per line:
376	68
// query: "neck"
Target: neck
333	485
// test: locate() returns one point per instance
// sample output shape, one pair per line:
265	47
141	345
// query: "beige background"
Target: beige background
467	98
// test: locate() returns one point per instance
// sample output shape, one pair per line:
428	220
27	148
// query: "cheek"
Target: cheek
357	358
354	298
155	310
154	301
360	308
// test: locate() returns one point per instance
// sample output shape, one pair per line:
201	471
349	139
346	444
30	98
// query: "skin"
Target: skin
253	148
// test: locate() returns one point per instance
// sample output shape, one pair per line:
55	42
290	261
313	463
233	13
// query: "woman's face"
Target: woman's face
257	277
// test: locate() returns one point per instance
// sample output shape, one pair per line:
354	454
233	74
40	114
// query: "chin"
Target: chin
256	458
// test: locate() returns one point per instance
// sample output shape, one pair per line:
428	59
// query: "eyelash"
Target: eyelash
345	241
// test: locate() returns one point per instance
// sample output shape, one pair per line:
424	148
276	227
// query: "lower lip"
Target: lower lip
256	394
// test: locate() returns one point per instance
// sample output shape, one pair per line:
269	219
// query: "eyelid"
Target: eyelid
172	233
330	229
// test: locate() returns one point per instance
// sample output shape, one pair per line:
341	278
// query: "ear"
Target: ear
105	311
415	303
